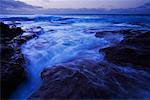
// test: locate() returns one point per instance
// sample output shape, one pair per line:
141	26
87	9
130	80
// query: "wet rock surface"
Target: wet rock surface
12	61
85	80
104	33
134	49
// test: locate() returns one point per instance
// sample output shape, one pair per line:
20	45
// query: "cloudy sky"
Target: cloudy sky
45	6
107	4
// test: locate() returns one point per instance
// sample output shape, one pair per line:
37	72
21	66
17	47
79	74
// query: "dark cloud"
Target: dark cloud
18	7
8	4
12	6
145	9
147	5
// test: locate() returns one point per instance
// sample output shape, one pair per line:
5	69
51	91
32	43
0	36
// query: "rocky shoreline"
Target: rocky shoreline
107	79
133	50
12	60
124	70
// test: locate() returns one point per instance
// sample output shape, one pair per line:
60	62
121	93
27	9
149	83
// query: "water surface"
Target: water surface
67	38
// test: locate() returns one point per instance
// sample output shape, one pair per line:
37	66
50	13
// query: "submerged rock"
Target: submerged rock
126	32
85	80
102	34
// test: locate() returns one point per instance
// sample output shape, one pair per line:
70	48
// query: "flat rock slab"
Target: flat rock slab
89	81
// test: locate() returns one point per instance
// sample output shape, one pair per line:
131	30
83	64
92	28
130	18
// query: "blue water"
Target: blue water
67	38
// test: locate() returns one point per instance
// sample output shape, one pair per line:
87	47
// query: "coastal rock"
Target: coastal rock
125	32
62	83
140	38
124	55
70	82
12	74
12	61
134	49
85	80
139	24
102	34
7	33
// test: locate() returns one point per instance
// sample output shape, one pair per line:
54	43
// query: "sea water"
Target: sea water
66	38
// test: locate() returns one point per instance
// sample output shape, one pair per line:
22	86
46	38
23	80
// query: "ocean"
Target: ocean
65	39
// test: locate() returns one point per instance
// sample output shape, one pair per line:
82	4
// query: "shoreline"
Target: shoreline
124	69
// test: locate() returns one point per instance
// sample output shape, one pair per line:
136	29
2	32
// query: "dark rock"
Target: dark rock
7	33
63	23
139	23
69	82
12	74
126	32
39	27
102	34
85	80
6	52
51	30
141	38
123	55
133	50
12	61
62	19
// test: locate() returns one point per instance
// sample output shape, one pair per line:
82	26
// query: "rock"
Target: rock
69	82
63	23
12	74
85	80
142	38
6	51
62	19
102	34
9	33
123	55
126	32
139	23
133	50
51	30
12	61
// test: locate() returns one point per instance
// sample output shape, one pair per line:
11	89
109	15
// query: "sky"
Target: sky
107	4
77	6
